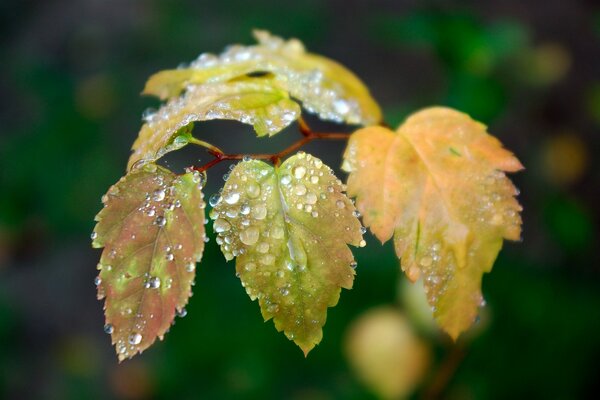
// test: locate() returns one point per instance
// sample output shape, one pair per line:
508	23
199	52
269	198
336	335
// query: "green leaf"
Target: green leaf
152	231
438	185
289	228
322	85
260	102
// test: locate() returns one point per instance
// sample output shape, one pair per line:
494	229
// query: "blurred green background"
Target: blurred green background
70	76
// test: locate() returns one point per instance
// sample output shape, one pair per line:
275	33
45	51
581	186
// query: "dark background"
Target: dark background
70	75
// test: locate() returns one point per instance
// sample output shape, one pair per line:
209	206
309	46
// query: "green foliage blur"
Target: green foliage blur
70	78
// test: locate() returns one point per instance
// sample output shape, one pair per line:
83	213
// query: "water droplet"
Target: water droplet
108	328
94	235
253	190
314	179
159	195
300	189
214	200
353	264
259	211
249	236
97	281
160	221
221	225
135	339
340	204
153	283
277	232
182	312
286	179
232	198
299	172
362	243
311	198
263	247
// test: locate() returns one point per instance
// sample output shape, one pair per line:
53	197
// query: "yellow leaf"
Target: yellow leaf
322	85
289	228
438	185
257	101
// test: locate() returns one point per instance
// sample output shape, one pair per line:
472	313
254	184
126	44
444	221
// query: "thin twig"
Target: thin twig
308	135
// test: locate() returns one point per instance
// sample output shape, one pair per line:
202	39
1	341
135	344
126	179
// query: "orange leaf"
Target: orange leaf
438	186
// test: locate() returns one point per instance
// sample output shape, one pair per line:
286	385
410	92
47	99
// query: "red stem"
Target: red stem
308	135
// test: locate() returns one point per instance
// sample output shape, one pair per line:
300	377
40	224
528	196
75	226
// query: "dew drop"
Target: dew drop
340	204
362	243
253	190
260	211
311	198
159	195
299	172
94	235
181	312
300	189
153	283
249	236
214	200
286	179
135	339
97	281
232	198
108	329
190	267
221	225
160	221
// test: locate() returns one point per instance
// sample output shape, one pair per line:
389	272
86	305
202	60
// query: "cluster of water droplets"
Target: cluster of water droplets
160	205
319	94
496	204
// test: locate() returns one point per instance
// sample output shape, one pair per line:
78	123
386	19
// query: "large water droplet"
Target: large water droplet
300	189
159	195
221	225
249	236
286	179
299	172
253	190
232	198
153	283
259	211
214	200
311	198
135	339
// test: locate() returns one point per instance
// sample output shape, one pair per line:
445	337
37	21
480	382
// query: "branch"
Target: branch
308	135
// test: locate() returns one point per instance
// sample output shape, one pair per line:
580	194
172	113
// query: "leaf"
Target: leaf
289	228
257	101
152	231
437	184
322	85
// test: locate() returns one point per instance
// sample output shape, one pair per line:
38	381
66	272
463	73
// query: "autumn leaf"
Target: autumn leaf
152	231
260	102
322	85
289	228
438	185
